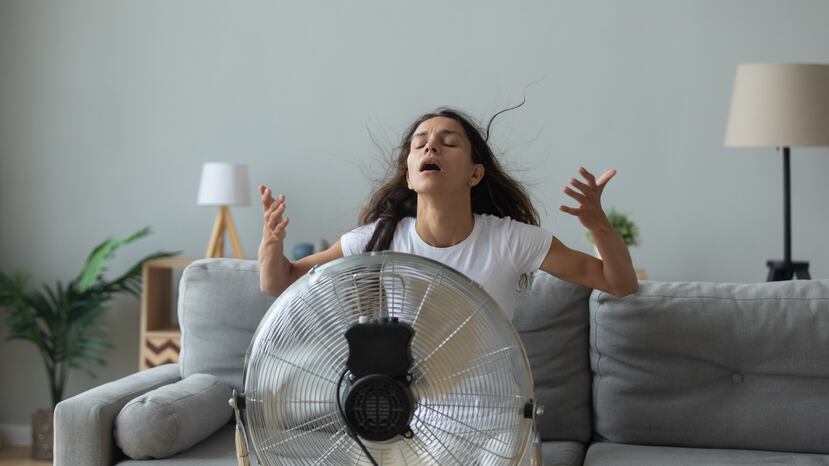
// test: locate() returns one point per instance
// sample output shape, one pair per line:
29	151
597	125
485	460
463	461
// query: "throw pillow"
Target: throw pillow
173	418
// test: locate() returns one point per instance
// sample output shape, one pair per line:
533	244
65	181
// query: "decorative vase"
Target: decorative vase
42	434
301	250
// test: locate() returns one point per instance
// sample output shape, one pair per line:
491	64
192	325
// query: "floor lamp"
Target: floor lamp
783	106
223	185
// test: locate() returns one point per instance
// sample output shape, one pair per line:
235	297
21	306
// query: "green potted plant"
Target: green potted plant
623	225
63	321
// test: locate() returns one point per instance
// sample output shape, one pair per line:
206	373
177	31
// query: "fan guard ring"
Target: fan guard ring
470	383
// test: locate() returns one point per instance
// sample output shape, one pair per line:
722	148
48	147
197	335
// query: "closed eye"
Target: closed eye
421	146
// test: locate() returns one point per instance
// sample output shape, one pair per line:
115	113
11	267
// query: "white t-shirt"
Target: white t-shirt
496	253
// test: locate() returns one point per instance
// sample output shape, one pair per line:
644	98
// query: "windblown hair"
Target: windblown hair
497	193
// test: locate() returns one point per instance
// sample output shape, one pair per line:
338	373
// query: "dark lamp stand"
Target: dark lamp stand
786	269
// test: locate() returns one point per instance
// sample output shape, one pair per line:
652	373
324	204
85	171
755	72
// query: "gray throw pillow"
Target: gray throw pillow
173	418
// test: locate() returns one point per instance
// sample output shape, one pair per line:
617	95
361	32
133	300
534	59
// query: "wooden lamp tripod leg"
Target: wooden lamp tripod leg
234	236
215	247
224	223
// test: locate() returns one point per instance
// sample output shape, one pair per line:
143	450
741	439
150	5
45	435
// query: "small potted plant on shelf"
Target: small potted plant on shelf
62	322
623	225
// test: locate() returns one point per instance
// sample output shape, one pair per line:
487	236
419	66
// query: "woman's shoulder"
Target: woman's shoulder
506	225
355	240
494	221
368	228
406	221
364	229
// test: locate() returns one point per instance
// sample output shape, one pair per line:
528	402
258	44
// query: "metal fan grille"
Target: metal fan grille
471	378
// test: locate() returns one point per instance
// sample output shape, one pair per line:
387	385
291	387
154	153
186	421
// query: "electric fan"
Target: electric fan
386	358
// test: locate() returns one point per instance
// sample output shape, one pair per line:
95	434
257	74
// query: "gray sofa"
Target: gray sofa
679	373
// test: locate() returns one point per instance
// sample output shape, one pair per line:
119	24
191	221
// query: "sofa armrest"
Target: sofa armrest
84	423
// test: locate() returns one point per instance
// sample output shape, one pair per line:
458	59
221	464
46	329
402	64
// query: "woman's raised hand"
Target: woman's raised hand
274	225
589	196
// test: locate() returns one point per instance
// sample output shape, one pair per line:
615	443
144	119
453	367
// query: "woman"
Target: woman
450	200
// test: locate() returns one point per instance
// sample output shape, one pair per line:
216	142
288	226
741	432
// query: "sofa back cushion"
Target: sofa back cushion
552	320
713	365
220	306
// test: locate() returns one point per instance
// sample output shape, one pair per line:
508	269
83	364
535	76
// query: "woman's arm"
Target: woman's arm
614	273
577	267
276	272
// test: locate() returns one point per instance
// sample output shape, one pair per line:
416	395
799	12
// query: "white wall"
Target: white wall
108	109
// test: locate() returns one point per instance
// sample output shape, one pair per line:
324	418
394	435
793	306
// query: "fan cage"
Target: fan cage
471	379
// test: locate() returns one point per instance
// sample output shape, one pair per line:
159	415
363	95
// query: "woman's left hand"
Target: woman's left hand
589	197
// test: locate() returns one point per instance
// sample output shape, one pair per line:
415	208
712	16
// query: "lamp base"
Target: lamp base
783	270
223	223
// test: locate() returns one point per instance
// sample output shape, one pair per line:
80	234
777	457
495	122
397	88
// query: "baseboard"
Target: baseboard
16	435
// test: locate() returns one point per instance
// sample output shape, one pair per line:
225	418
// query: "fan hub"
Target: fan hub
379	407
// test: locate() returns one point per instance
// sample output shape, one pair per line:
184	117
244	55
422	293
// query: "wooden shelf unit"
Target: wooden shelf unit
160	337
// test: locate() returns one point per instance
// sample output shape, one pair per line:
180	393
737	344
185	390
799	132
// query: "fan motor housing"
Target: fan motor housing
379	404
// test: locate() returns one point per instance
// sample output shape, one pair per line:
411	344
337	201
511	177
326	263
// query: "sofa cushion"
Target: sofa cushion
220	306
713	365
172	418
607	454
552	320
218	450
562	453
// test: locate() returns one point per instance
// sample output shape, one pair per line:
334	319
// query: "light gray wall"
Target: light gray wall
108	109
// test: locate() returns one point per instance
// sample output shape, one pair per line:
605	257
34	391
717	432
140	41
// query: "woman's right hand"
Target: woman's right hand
276	272
274	225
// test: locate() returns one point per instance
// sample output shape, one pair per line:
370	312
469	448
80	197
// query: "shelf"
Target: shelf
159	334
170	262
164	332
159	348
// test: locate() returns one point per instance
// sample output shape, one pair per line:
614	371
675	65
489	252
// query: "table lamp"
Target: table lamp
223	185
783	106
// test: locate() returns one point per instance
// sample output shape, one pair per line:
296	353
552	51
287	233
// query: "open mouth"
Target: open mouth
429	166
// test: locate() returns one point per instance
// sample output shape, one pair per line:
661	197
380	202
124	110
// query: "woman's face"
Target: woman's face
440	158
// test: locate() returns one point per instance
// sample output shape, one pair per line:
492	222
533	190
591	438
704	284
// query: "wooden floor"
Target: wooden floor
19	456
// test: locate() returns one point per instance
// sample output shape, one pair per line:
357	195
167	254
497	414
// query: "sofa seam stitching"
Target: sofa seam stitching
178	425
598	352
182	325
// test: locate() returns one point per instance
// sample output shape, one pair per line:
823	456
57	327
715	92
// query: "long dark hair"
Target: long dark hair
497	194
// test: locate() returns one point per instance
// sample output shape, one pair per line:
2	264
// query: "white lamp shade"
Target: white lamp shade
223	184
779	105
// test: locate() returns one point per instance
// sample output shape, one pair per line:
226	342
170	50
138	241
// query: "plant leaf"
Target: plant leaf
94	266
63	321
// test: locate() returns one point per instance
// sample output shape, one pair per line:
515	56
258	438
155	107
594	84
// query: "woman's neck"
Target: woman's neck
441	222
